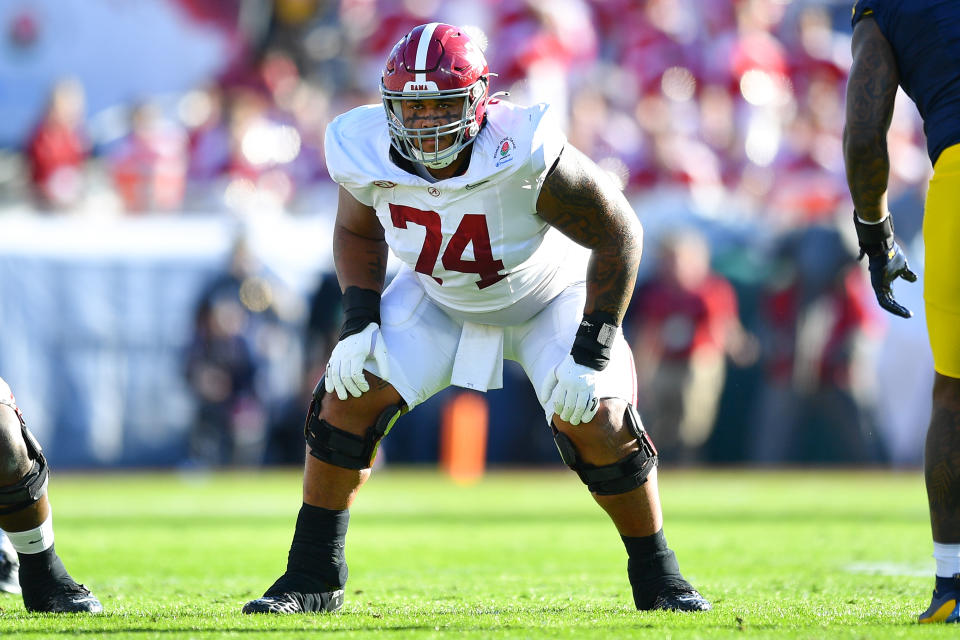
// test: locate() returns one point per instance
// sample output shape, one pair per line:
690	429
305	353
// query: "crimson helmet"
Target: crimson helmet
434	61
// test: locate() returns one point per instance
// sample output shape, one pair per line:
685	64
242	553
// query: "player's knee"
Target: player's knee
630	470
608	410
23	468
604	439
346	433
14	452
14	458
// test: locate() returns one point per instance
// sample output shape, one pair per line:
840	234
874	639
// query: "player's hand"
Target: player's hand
345	367
884	269
574	397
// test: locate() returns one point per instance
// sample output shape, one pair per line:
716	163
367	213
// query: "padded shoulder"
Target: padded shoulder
522	136
357	150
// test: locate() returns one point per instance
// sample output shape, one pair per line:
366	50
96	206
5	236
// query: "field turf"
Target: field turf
799	554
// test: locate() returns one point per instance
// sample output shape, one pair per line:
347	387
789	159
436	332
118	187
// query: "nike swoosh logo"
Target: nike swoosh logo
475	184
34	541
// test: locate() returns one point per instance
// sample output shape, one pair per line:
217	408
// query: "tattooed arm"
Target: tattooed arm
871	90
578	199
359	249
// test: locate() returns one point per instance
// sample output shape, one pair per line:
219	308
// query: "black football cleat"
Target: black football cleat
681	598
62	596
290	594
296	602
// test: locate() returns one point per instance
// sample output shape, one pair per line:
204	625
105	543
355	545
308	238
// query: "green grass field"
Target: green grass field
800	554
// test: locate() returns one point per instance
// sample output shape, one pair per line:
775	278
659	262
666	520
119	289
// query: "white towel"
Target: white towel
479	361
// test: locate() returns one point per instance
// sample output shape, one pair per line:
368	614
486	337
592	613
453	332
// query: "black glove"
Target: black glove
887	262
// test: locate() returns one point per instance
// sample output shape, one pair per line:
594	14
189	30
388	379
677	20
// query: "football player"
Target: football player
26	518
916	45
514	245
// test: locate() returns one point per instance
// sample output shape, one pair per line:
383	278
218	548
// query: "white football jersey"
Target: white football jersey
474	240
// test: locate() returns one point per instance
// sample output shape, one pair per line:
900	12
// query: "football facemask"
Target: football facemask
434	62
409	141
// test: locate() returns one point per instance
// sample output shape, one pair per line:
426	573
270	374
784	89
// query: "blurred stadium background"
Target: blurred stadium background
166	295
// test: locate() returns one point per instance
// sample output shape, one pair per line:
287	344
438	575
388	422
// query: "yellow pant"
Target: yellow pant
941	237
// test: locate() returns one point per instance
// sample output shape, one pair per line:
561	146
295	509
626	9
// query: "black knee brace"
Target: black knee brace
32	486
623	475
342	448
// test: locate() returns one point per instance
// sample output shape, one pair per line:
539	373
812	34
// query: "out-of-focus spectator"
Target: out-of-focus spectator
685	323
549	42
149	165
816	321
222	367
58	149
261	149
203	111
325	317
244	331
221	370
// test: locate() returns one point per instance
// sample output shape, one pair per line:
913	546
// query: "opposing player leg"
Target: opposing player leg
941	230
942	473
26	518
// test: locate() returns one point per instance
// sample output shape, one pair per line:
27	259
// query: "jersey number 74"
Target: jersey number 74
473	228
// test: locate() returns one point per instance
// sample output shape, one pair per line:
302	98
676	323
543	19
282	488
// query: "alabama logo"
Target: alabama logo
504	153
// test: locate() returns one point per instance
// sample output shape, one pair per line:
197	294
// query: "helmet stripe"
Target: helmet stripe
426	36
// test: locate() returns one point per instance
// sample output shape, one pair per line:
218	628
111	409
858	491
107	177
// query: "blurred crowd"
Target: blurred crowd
738	104
720	119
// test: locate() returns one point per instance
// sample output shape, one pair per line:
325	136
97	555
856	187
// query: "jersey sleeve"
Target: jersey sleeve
547	144
863	9
343	154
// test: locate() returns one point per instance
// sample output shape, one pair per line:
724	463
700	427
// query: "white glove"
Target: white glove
345	367
574	391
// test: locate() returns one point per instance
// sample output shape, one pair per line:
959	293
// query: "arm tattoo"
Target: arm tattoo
359	260
578	199
377	263
871	93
